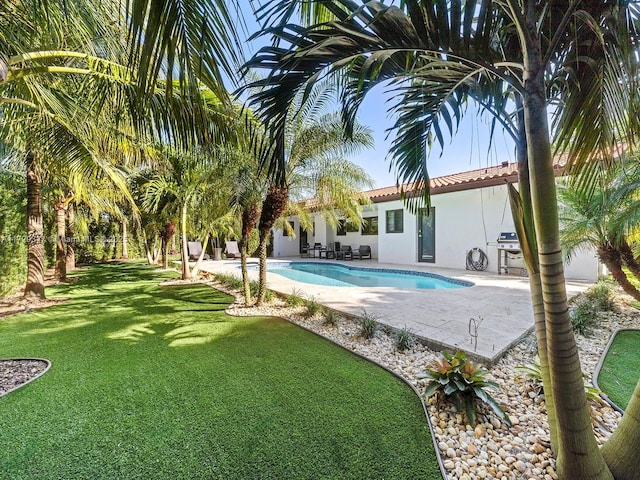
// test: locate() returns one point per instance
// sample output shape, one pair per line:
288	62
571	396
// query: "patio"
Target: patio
499	304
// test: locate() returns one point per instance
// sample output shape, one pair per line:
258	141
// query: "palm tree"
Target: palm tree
186	181
433	54
33	55
315	166
595	221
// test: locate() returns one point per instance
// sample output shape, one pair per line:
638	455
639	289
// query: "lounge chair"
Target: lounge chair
195	249
345	253
363	252
232	250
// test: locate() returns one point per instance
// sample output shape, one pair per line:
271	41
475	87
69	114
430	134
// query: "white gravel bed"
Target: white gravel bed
491	450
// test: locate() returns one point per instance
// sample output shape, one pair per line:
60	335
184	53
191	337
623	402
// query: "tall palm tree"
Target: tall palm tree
315	165
432	53
44	41
187	182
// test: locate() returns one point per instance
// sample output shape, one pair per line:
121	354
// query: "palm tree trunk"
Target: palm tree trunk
250	215
198	265
125	251
70	254
173	250
35	232
611	257
528	235
184	254
61	243
621	450
578	454
629	259
262	272
246	284
165	253
147	248
167	234
272	208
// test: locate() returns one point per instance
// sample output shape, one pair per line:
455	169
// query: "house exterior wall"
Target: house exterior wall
463	220
287	246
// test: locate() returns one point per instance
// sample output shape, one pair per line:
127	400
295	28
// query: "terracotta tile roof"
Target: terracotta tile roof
482	177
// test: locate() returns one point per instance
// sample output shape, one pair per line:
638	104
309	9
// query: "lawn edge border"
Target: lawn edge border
48	362
236	295
600	364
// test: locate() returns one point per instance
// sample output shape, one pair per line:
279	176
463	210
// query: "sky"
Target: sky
469	148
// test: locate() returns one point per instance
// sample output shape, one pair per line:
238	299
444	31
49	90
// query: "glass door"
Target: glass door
427	235
303	240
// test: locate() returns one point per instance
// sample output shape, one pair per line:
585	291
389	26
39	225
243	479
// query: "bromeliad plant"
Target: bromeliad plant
462	381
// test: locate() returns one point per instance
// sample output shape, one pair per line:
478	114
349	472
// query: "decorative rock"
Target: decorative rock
520	466
538	448
489	450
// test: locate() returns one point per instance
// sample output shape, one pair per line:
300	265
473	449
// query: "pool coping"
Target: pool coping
414	273
440	318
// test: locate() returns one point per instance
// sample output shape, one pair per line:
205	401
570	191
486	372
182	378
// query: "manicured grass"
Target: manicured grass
621	368
157	382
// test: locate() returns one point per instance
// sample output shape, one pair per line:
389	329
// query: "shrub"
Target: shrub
583	316
294	299
601	296
331	317
368	325
462	381
404	339
312	307
230	281
533	372
254	286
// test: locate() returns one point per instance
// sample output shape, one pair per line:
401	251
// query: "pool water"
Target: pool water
334	275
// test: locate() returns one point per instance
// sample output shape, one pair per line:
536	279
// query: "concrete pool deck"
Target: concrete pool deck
500	304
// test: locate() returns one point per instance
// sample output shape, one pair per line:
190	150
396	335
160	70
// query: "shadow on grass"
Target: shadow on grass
123	302
244	397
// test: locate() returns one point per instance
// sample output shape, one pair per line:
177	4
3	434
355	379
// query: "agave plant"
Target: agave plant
463	381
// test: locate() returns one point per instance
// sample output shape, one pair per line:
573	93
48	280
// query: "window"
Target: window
395	221
344	227
285	231
370	226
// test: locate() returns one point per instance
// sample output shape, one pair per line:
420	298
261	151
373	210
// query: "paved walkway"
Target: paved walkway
500	304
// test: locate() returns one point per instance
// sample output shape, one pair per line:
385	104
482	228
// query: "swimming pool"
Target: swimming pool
336	275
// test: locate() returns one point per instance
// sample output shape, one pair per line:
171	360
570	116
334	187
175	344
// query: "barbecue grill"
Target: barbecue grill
509	253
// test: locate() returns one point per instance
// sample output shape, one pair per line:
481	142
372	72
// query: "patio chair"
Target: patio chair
330	252
363	252
304	253
232	250
194	249
345	253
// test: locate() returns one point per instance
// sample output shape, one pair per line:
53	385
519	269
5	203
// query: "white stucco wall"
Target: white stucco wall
463	220
286	246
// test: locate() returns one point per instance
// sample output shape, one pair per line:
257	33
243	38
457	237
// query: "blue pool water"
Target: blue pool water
334	275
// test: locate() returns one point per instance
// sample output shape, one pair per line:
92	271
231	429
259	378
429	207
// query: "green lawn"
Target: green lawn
621	368
159	383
